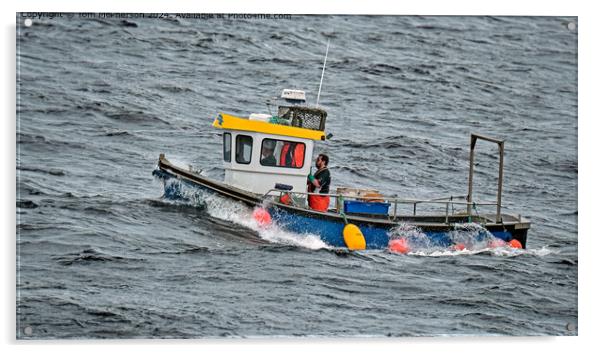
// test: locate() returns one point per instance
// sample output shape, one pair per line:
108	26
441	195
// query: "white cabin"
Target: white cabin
262	150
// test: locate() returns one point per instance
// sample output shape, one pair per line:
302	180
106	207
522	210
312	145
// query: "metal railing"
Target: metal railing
447	201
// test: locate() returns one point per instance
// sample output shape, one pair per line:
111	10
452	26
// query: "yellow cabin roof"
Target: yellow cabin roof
230	122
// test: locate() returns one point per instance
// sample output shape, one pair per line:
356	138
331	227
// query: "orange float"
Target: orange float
515	244
262	216
459	247
496	243
399	246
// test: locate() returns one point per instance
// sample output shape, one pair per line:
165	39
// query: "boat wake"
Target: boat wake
219	207
468	239
499	251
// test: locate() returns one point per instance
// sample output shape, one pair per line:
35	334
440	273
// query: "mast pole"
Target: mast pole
322	78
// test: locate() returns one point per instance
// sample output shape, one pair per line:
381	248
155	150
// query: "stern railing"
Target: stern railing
394	201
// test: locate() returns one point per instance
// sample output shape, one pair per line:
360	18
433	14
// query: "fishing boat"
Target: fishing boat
356	218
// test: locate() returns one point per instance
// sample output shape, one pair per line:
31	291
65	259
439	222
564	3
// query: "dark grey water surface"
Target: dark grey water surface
102	255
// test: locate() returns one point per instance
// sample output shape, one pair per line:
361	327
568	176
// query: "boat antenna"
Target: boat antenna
322	78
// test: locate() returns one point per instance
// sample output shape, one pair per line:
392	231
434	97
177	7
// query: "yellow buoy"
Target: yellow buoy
354	239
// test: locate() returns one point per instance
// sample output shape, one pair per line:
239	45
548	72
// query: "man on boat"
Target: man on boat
319	182
267	153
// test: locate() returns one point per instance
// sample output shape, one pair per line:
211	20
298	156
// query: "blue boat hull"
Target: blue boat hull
376	236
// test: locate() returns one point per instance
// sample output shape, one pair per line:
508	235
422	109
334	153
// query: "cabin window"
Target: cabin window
244	147
282	153
227	147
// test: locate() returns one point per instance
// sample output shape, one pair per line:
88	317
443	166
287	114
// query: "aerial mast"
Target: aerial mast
322	78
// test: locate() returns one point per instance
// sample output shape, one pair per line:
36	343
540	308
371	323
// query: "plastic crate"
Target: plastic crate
379	208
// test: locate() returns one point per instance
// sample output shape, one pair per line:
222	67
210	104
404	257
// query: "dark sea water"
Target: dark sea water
100	253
